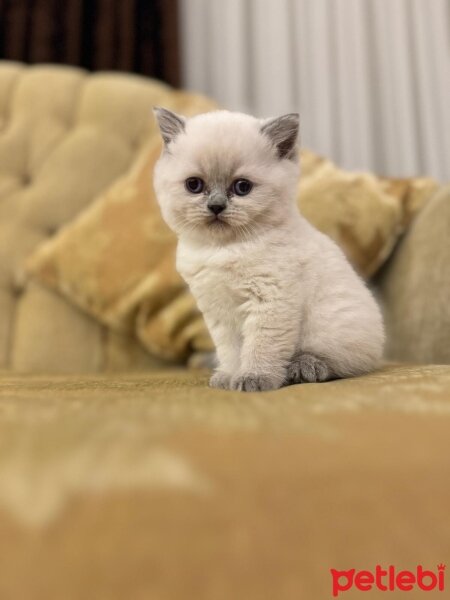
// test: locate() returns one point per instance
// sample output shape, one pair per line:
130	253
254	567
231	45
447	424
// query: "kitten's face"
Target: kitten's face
223	176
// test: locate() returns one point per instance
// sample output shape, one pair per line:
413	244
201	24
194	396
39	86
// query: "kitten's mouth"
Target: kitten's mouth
217	221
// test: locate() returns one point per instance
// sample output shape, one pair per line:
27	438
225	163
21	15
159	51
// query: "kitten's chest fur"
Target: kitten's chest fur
226	282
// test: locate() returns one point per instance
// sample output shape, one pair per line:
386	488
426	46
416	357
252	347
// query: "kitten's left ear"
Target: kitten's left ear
170	124
283	133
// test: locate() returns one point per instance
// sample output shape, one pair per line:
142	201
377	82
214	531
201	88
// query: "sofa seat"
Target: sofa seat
155	486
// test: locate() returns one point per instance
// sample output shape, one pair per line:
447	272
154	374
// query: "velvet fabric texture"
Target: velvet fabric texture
415	287
154	486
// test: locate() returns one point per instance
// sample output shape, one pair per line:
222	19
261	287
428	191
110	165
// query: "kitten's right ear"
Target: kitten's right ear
283	133
170	124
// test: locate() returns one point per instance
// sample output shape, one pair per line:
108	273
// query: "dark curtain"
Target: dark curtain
127	35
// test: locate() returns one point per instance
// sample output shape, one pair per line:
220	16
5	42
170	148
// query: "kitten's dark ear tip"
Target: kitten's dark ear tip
292	118
160	111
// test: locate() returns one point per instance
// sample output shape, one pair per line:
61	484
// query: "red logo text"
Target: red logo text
388	580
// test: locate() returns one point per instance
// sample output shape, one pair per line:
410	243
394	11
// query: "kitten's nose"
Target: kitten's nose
217	203
216	208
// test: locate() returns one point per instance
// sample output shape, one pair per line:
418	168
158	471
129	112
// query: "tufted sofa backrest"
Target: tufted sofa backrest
65	135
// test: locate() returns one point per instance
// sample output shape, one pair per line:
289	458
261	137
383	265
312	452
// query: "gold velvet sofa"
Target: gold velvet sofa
118	482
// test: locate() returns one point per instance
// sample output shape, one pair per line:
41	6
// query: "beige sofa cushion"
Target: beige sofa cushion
415	288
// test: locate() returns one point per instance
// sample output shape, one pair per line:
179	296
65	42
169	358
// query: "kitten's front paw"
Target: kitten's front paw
254	382
220	380
307	368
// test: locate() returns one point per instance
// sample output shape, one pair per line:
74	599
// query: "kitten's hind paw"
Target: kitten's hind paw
254	382
307	368
220	380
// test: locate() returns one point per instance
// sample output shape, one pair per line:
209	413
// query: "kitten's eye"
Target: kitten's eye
194	185
242	187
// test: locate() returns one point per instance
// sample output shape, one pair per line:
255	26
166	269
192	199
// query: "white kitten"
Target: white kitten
281	301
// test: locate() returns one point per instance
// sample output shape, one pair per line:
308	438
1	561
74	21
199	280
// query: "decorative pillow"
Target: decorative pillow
362	213
117	259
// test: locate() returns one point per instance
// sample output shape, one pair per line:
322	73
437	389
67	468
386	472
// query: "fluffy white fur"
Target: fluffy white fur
282	303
